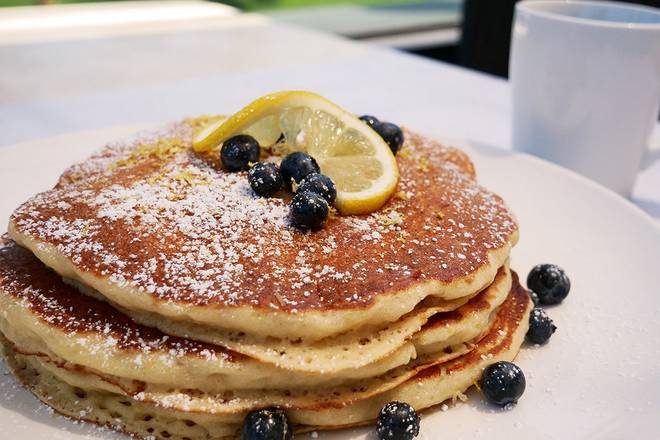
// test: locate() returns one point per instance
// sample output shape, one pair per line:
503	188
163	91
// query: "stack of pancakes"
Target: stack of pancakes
153	292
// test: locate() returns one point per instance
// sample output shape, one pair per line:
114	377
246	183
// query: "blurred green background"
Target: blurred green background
247	5
37	2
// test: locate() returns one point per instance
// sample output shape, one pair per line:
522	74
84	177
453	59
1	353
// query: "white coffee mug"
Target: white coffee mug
585	80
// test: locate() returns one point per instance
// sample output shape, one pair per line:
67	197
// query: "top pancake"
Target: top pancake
155	227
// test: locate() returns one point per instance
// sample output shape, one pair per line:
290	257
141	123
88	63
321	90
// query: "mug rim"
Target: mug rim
532	7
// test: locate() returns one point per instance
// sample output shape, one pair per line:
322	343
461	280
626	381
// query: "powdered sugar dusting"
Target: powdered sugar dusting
174	225
94	325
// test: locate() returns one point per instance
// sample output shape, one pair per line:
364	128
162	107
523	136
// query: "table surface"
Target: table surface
55	81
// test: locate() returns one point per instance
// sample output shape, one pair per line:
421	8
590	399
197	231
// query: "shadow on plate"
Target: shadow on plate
651	207
651	158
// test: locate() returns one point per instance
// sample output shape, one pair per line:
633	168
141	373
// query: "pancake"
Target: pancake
83	396
355	349
465	323
44	316
338	355
158	229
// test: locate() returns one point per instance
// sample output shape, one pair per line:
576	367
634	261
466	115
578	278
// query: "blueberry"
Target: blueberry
541	326
296	166
391	134
265	178
503	383
397	421
549	282
309	210
320	184
238	152
266	424
371	121
534	297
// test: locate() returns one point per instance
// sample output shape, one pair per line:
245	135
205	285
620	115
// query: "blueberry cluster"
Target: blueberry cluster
298	172
315	193
391	133
549	285
502	383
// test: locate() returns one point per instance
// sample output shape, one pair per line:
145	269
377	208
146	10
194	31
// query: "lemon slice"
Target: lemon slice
357	159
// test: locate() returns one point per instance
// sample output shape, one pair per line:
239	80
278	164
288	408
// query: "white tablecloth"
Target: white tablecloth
61	82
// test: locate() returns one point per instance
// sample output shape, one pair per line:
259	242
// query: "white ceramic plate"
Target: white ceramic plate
598	378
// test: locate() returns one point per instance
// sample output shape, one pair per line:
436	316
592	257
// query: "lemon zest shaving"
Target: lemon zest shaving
389	218
161	149
405	153
155	178
175	197
423	164
401	195
190	178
